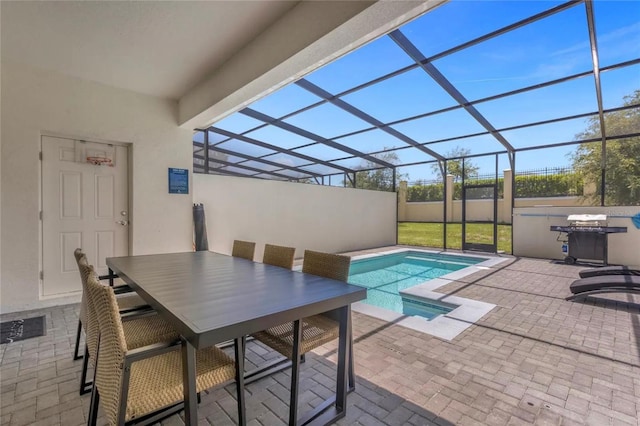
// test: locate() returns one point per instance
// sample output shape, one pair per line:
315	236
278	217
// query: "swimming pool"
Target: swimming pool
385	276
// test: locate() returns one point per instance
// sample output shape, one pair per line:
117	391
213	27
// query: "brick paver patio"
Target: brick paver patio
534	359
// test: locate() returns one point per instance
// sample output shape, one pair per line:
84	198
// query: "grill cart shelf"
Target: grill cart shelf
587	237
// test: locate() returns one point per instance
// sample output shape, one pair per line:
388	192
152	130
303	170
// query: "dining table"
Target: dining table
211	298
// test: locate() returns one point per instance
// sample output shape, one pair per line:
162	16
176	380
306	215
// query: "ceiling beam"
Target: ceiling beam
277	148
591	24
465	45
253	169
476	101
314	137
262	160
560	8
318	91
399	38
232	173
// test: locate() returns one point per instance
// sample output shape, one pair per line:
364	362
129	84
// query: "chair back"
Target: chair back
278	256
90	321
112	347
334	266
81	258
243	249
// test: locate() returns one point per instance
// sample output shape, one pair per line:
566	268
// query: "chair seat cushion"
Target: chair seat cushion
147	330
130	302
157	382
316	331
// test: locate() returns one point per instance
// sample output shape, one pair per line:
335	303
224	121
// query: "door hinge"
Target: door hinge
40	155
42	275
40	215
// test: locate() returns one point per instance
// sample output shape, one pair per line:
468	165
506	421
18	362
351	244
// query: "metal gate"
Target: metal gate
479	226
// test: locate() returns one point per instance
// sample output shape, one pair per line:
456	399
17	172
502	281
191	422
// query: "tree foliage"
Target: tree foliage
373	177
425	192
454	167
622	169
554	185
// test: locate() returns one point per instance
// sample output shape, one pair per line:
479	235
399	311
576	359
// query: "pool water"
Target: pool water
386	275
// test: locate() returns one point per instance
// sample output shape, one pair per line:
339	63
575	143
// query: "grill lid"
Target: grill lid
588	219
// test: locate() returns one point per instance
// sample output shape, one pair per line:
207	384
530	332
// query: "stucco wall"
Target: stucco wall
297	215
477	209
421	212
36	102
551	202
532	238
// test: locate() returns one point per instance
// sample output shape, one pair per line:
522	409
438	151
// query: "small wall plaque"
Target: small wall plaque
178	181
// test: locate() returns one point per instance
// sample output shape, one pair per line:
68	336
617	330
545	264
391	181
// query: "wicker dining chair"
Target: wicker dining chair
243	249
317	329
278	256
141	328
118	288
273	255
145	384
125	303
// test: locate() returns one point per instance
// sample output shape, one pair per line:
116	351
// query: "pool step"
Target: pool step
439	261
426	309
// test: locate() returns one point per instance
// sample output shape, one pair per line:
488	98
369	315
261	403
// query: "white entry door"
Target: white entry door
83	205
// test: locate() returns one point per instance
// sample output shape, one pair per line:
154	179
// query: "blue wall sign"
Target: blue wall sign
178	181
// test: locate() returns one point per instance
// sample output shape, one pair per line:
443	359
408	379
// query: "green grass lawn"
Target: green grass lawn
430	234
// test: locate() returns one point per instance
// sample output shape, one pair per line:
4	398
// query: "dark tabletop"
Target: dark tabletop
210	297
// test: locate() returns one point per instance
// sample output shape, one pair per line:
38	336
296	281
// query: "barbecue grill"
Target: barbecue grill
586	237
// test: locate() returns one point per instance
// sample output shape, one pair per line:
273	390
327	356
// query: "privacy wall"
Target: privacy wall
431	211
532	238
298	215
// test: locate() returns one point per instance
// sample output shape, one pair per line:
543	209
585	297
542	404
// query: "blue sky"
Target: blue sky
551	48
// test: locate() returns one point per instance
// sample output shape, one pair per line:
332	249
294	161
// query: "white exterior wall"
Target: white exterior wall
477	210
426	211
532	238
431	211
572	201
303	216
36	102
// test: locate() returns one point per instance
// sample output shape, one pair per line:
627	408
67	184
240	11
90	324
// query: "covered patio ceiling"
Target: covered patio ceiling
490	78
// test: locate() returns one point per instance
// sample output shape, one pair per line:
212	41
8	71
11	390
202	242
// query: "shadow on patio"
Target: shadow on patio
535	358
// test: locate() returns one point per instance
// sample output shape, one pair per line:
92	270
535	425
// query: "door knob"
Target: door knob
122	222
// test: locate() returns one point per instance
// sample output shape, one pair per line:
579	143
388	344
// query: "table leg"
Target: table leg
239	344
189	382
352	371
295	372
343	359
335	408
